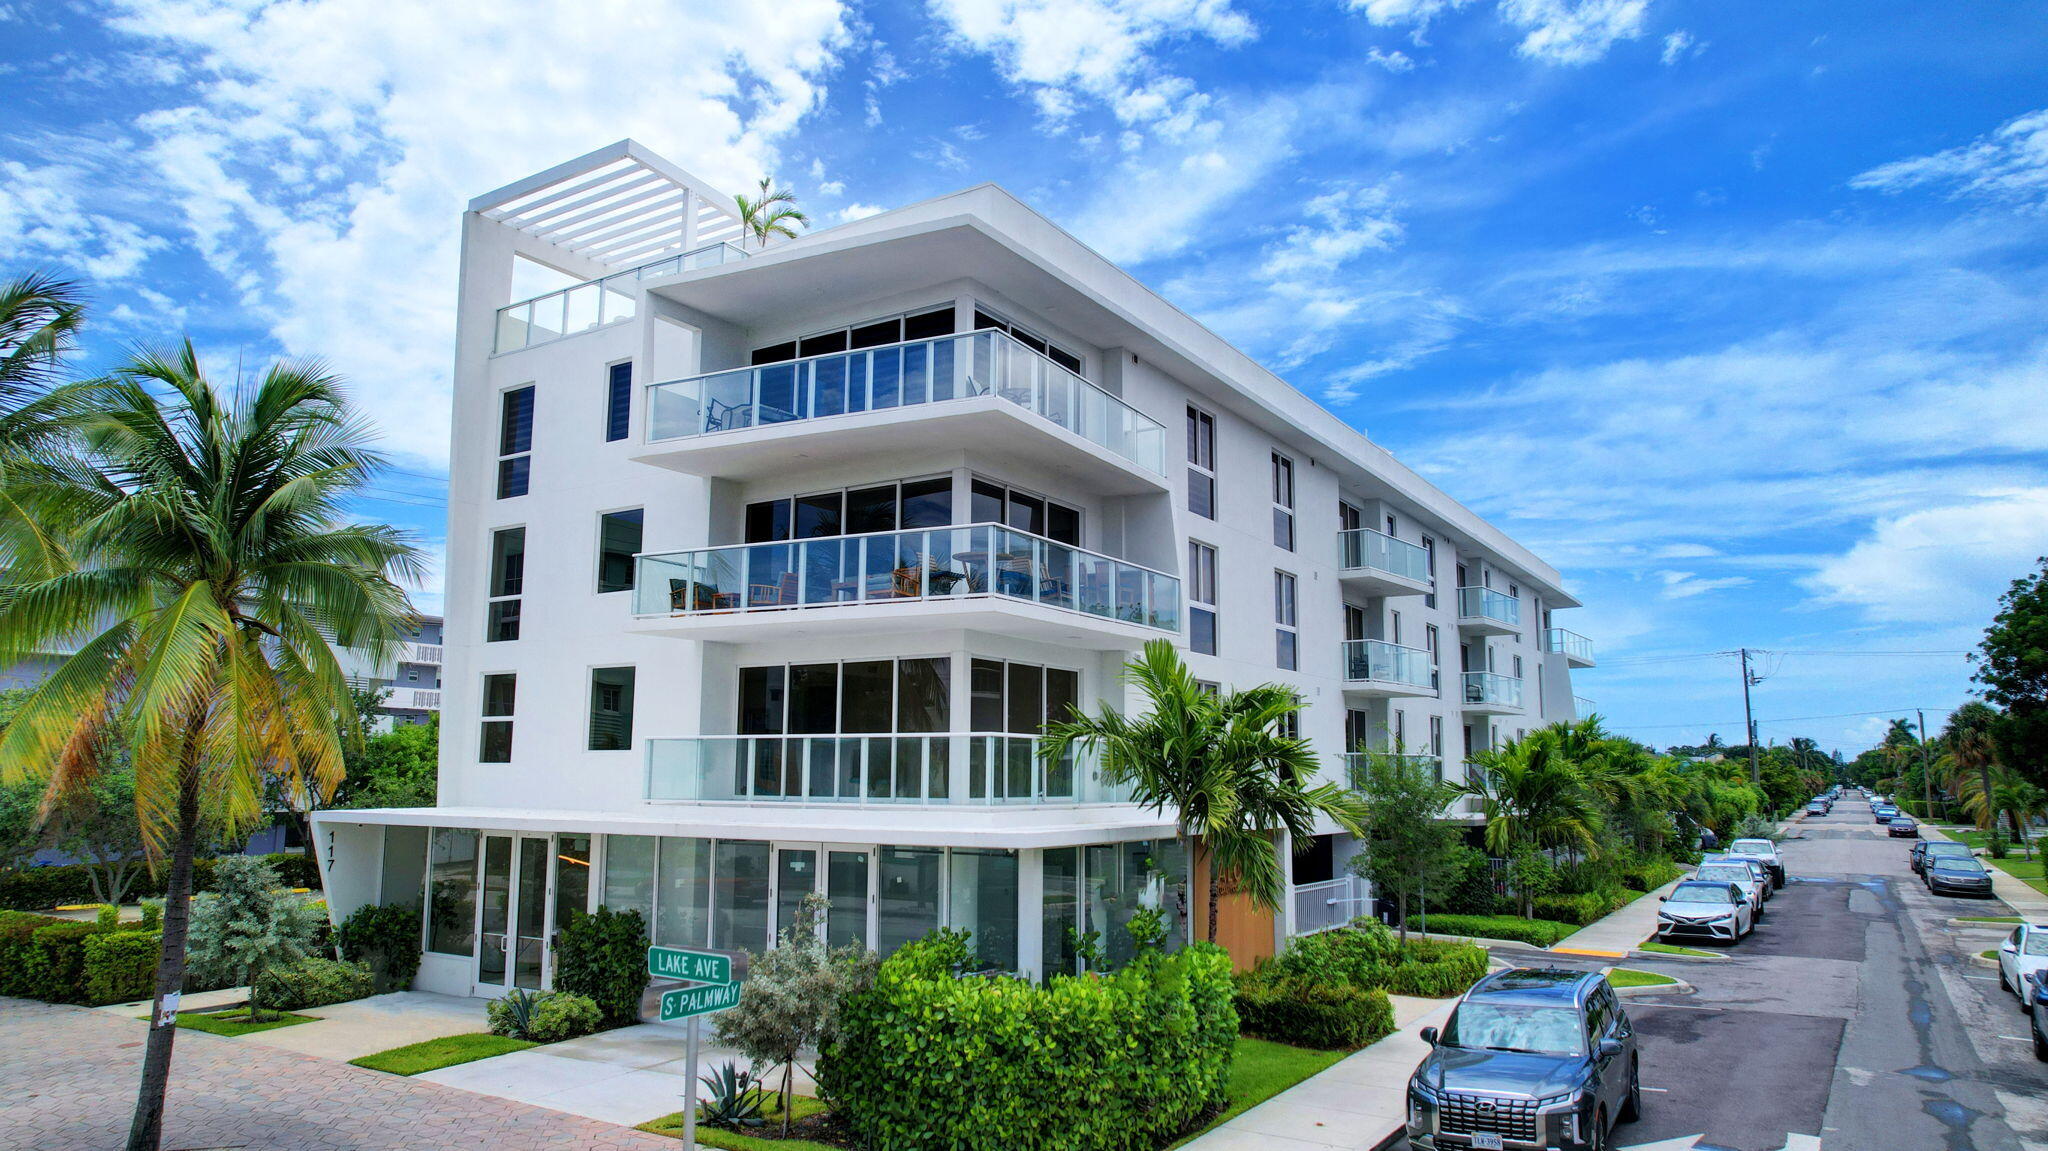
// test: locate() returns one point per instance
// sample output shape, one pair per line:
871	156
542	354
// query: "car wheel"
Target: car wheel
2040	1045
1632	1105
1599	1140
2005	984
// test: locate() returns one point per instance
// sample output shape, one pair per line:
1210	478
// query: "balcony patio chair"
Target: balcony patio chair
782	593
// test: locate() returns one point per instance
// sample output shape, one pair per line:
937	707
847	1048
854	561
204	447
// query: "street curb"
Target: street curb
1661	956
1679	987
1983	962
1481	941
1979	925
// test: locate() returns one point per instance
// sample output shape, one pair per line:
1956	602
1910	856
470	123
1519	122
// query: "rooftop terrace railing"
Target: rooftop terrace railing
904	375
593	304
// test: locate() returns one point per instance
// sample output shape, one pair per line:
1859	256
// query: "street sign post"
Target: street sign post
713	989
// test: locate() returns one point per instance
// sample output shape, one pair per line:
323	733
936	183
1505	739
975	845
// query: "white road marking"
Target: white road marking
2014	1038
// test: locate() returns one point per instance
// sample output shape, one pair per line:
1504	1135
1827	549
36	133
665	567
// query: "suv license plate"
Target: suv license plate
1485	1141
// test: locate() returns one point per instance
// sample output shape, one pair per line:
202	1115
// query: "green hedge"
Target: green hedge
314	982
1539	932
1333	1016
17	940
56	962
387	939
603	957
120	966
1590	907
1369	956
555	1016
1436	969
40	888
929	1061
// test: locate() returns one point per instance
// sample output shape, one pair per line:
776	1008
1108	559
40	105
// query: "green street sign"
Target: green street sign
695	966
684	1002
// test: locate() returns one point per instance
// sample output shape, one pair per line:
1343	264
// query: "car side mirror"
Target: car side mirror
1663	899
2010	949
1609	1048
1429	1035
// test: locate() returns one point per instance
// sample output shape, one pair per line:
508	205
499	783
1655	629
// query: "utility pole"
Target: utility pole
1926	771
1749	717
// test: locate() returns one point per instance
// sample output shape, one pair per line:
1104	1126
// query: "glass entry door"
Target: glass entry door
843	874
512	912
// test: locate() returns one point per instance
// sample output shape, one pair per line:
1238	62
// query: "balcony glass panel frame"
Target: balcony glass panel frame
1569	644
594	304
936	769
1363	548
1377	661
973	560
1355	765
904	375
1488	604
1491	688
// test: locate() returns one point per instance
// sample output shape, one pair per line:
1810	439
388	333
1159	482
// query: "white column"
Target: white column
1031	911
690	220
1283	920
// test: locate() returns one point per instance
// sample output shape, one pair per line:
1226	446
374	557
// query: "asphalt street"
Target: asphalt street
1852	1014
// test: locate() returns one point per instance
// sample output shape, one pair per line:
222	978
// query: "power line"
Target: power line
1781	722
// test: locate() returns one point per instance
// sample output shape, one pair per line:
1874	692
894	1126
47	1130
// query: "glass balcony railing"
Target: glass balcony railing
1570	644
1582	707
1492	689
595	303
901	376
891	567
1364	548
1376	661
1487	604
1356	763
938	768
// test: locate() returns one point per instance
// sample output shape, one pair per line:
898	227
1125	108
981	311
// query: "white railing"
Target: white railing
986	363
1582	707
1331	903
891	567
1362	548
594	304
1356	762
1569	644
948	768
415	699
419	653
1490	687
1487	604
1377	661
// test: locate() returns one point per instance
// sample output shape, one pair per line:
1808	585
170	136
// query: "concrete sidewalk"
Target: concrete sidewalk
1358	1104
1620	932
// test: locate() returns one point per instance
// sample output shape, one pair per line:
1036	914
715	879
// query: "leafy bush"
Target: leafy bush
315	982
108	917
603	957
17	939
1650	874
1436	969
153	914
56	962
120	966
1537	932
544	1017
1084	1063
1756	827
248	926
1369	957
1288	1009
1583	909
37	888
386	939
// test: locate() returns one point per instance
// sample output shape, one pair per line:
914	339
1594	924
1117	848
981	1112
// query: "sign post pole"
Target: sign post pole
709	987
690	1089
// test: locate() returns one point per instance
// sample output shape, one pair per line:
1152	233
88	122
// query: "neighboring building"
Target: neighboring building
765	568
410	676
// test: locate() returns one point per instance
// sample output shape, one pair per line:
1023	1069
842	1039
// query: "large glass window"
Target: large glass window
611	708
1020	698
1287	642
995	503
619	536
982	897
922	503
1202	590
907	902
403	881
1283	501
508	583
739	905
1201	463
1061	910
905	695
682	897
922	325
984	320
515	441
451	879
501	694
629	874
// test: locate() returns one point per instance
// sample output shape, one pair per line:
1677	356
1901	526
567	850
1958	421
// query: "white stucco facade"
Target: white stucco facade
850	711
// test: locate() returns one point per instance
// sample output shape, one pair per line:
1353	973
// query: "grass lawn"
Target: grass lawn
1259	1071
1672	949
1987	919
235	1022
801	1107
447	1051
1630	977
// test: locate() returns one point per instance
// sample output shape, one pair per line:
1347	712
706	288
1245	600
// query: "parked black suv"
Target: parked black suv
1532	1058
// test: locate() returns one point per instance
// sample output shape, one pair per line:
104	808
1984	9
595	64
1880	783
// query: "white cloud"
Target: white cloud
853	212
2009	165
1065	51
1685	585
1395	62
46	214
1394	13
1573	32
1939	564
328	147
1340	225
1680	44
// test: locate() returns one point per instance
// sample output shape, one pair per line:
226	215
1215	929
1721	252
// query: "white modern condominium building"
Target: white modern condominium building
766	565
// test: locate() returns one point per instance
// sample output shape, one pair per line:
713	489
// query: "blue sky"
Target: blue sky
1732	311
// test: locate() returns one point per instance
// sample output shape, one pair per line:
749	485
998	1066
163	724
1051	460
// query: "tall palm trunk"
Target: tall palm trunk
147	1130
1984	780
1215	893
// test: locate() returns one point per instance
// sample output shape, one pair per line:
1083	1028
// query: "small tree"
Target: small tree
97	824
792	996
772	213
1409	848
249	924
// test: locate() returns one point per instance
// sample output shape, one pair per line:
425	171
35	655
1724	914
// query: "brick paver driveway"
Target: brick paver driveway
68	1077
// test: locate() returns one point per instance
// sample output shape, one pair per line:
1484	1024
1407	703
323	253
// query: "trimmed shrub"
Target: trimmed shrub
935	1062
1650	874
55	962
1586	908
314	982
1436	969
543	1017
17	939
603	957
120	966
386	939
1333	1016
1370	957
1537	932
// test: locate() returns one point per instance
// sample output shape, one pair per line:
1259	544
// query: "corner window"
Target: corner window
1287	641
618	541
1283	501
508	582
611	708
500	696
1201	463
515	441
618	401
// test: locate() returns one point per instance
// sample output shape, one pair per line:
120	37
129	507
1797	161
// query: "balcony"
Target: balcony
1483	611
1576	649
945	768
1376	668
1378	564
978	577
420	653
982	392
594	304
1490	693
1355	764
414	699
1582	707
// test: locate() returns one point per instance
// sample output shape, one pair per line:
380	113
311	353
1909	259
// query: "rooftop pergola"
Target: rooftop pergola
621	205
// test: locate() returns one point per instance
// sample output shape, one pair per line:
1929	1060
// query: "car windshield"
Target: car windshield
2037	942
1701	893
1725	874
1950	863
1940	848
1487	1026
1751	847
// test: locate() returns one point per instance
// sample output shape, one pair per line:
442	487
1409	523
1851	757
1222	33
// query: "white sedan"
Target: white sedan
2024	951
1706	910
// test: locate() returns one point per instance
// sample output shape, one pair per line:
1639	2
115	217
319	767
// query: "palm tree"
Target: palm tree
213	570
1533	795
770	214
40	317
1974	751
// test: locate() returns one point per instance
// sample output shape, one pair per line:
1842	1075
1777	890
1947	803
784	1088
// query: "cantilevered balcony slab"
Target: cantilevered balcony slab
1375	669
980	577
1373	563
1576	649
1490	693
1483	611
